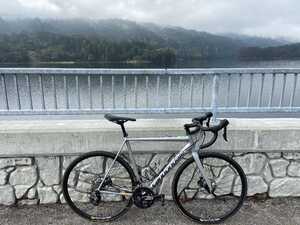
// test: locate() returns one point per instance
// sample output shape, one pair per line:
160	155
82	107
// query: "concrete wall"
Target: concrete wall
34	154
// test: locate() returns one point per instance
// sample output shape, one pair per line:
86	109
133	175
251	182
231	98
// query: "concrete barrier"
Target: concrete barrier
52	137
34	154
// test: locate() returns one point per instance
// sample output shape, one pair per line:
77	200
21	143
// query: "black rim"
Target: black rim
242	196
87	156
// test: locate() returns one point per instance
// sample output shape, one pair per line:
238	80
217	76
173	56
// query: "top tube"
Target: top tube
162	139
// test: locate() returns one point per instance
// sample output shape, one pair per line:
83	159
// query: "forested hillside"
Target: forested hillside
50	47
291	51
36	40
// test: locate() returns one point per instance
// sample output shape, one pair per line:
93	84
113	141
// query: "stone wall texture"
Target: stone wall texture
35	154
37	180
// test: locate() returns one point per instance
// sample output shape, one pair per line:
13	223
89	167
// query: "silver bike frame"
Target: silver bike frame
189	146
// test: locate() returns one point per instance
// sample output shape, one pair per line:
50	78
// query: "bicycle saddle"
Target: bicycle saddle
118	119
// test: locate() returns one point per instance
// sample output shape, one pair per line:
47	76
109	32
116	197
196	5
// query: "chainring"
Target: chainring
143	197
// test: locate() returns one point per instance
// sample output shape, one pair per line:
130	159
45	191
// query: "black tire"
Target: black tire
67	178
184	202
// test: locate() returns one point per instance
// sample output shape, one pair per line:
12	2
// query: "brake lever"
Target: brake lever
225	134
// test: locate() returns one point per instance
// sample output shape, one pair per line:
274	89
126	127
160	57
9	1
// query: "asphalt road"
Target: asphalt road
254	212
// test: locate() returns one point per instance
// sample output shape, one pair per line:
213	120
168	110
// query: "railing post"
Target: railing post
214	96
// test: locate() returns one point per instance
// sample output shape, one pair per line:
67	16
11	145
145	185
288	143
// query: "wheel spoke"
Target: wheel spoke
195	200
81	186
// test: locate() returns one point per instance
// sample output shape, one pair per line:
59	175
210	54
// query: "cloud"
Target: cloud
275	18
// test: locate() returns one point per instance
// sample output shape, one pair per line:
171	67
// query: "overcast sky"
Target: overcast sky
272	18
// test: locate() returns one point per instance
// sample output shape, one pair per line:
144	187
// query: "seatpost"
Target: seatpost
123	130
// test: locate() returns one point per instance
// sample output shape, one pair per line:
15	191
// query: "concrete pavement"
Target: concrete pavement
278	211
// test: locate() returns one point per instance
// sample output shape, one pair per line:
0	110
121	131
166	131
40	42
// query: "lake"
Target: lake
222	63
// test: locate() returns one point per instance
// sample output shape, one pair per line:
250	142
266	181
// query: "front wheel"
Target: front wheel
200	203
98	186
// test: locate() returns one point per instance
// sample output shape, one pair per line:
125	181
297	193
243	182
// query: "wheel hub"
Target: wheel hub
202	183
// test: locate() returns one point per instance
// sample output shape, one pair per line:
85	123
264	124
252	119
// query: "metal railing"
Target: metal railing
88	91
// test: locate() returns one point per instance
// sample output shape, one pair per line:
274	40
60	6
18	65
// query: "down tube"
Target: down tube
171	164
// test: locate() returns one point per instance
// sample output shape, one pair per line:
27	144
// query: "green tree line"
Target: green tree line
291	51
51	47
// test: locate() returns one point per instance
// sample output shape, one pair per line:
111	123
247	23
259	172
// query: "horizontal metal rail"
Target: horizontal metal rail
146	71
51	91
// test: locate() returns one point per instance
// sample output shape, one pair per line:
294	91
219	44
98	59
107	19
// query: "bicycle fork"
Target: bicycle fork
195	154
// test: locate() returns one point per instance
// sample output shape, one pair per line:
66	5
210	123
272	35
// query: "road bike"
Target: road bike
208	187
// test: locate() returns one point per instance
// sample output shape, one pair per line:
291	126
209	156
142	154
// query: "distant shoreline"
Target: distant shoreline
78	62
224	63
100	62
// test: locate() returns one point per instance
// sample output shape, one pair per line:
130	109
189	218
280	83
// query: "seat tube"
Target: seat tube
118	153
132	161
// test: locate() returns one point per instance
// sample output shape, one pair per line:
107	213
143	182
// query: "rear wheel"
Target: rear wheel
197	201
82	191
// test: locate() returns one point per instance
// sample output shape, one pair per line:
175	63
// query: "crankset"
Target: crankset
144	197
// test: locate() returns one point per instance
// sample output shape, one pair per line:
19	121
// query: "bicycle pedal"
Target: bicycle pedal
160	198
163	201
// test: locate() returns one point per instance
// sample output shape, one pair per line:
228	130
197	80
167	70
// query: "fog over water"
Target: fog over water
268	18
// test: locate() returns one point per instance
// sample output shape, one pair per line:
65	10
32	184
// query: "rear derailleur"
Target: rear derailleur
95	196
